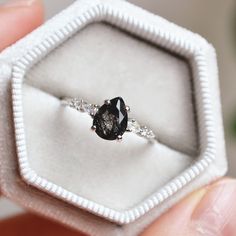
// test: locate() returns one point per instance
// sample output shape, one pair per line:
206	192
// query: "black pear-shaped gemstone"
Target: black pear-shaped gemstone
111	119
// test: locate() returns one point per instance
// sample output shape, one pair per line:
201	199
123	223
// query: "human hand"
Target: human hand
210	211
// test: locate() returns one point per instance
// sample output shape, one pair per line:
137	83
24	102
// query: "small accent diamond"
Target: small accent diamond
143	131
92	109
133	126
82	106
146	132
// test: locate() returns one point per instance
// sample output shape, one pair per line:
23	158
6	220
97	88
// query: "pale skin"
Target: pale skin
210	211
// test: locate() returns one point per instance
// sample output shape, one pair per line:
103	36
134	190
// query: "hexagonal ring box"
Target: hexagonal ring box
52	163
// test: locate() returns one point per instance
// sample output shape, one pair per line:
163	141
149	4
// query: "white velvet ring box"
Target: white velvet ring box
50	161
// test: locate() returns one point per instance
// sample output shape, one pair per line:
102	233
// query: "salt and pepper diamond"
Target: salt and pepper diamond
110	121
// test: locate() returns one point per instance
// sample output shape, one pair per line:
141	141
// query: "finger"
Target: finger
17	18
28	225
209	212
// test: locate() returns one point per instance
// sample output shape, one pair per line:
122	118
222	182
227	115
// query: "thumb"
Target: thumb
17	18
209	212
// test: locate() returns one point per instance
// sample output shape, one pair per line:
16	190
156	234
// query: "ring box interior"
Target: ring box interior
98	62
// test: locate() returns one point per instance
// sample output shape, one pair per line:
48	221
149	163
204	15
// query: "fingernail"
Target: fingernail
214	211
18	3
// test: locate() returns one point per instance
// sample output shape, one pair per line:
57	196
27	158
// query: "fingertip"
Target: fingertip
175	221
208	211
217	210
18	19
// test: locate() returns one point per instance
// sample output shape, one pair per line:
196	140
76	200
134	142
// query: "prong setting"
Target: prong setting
107	102
119	138
127	108
93	127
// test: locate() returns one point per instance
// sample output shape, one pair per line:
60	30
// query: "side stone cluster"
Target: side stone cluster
82	106
141	130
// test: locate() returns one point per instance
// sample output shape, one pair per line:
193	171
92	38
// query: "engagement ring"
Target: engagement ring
111	120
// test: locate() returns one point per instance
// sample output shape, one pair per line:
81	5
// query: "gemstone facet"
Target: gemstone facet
111	119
